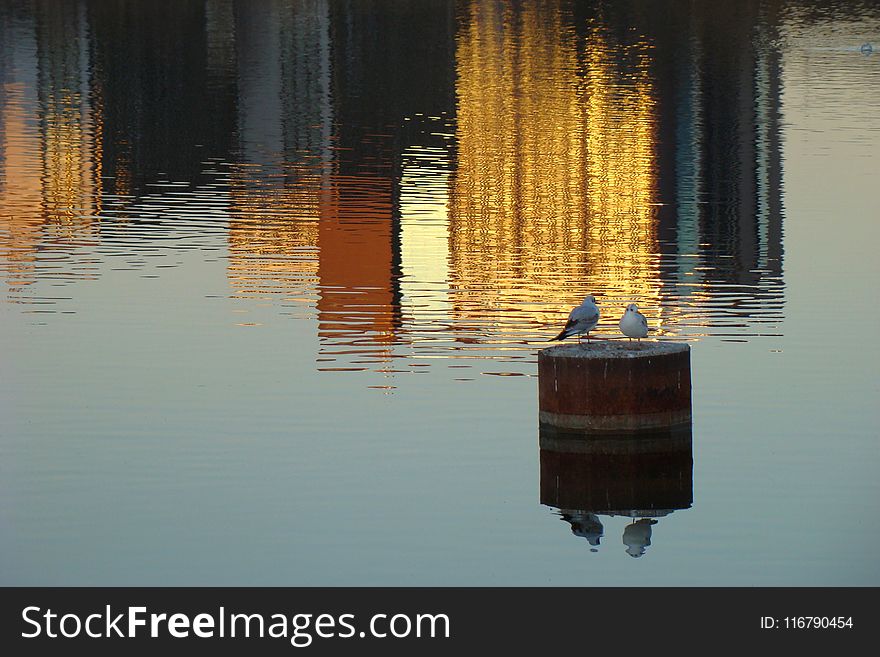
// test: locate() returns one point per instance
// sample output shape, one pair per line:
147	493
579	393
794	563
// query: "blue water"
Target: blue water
275	277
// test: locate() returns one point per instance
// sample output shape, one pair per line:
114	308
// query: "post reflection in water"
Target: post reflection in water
642	476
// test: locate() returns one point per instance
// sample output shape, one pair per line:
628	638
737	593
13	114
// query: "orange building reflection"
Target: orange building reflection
357	303
302	225
329	239
50	144
21	188
555	173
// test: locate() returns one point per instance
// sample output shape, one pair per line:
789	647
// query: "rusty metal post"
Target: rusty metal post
615	386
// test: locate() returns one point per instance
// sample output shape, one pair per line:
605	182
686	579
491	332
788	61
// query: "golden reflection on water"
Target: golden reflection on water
516	212
50	150
325	239
426	236
424	242
555	176
620	126
550	196
71	166
273	234
21	188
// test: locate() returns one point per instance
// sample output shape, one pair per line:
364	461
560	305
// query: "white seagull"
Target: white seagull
633	323
581	319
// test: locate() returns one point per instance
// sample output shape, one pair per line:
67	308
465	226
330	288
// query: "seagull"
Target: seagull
633	323
581	319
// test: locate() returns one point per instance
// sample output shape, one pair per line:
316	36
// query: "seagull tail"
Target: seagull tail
562	335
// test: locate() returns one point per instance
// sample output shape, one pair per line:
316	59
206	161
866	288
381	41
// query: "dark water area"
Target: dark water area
274	276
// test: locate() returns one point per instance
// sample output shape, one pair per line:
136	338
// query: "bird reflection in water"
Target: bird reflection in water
641	477
637	536
586	525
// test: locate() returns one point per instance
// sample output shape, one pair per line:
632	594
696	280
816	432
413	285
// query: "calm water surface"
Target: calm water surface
274	276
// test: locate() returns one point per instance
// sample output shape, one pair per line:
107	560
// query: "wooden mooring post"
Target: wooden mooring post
615	386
